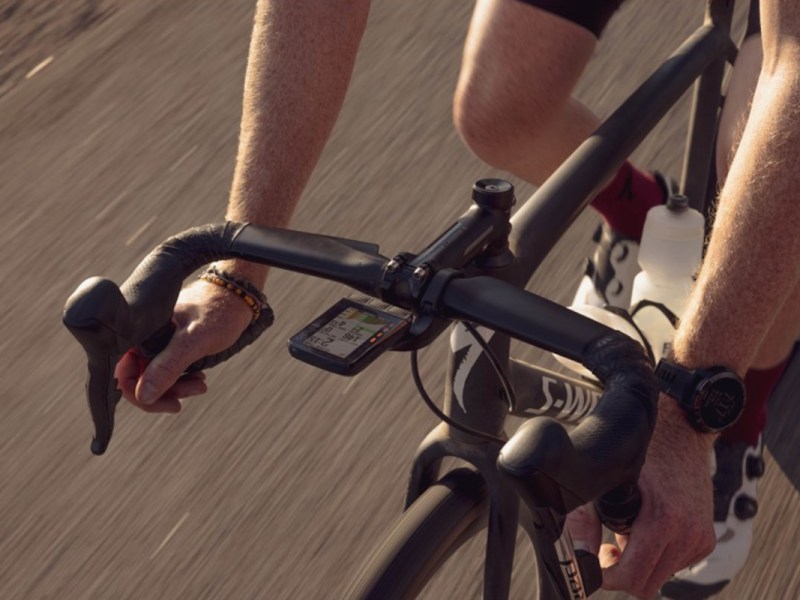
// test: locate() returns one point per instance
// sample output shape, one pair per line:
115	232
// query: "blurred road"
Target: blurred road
276	483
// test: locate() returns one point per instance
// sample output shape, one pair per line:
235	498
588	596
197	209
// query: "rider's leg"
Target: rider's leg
782	336
766	370
513	104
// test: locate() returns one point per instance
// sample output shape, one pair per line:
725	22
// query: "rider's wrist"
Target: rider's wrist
711	397
691	351
675	430
253	273
255	300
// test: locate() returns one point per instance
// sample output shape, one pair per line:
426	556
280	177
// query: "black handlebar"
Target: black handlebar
549	467
108	320
602	456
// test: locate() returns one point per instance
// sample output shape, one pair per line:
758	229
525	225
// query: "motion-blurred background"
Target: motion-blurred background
118	127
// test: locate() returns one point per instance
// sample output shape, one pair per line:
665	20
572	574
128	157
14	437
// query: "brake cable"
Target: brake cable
507	388
511	398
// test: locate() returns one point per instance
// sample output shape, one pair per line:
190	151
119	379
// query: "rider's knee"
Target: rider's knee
495	127
521	62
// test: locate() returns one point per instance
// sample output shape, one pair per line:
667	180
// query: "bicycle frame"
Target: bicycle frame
473	394
475	271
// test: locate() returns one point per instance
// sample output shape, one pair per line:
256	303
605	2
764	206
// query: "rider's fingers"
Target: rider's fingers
127	374
632	573
671	561
639	553
188	386
208	320
166	368
191	384
585	529
609	555
647	587
168	404
657	548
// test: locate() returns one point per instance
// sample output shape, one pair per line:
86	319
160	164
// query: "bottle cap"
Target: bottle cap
677	202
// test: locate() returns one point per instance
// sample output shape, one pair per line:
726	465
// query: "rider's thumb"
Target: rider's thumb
163	372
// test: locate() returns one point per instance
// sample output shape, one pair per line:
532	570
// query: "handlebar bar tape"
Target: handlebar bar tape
553	469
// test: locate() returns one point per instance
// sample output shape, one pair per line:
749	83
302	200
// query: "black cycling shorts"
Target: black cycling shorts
591	14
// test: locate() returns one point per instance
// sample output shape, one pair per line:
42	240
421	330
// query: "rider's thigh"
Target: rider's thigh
519	67
782	335
738	99
780	30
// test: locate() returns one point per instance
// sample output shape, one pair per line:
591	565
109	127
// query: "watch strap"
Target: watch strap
676	382
708	409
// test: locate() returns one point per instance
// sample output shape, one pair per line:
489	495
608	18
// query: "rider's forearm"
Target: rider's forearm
752	261
750	269
299	66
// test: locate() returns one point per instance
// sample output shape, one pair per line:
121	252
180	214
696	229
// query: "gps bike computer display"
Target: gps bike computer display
350	335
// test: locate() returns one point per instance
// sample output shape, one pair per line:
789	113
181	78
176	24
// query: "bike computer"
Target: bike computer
350	335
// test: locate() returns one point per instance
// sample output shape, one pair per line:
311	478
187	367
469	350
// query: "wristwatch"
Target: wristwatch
713	399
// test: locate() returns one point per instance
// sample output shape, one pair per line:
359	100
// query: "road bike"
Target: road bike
472	275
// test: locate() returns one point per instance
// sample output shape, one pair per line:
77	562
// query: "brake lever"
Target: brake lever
98	315
619	508
109	320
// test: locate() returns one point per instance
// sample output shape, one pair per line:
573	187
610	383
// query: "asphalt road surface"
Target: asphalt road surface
276	483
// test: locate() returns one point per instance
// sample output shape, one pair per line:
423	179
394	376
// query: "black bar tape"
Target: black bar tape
554	469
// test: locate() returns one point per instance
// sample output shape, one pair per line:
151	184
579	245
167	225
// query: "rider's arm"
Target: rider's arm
299	66
752	261
746	287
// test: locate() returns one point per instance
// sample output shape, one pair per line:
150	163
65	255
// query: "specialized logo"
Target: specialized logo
466	351
569	566
568	402
569	569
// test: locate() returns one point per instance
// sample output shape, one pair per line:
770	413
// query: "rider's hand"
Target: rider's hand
674	528
208	319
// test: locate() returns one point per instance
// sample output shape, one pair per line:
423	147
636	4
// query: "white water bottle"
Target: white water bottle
670	253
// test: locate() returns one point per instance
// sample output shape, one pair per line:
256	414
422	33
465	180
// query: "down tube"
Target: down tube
544	218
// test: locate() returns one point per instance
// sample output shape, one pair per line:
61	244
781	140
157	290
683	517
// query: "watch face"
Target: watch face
719	401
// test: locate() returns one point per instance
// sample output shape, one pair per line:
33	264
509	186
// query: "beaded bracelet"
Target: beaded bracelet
253	297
